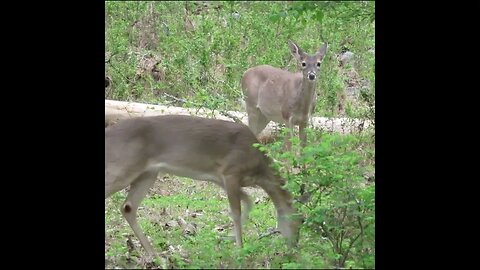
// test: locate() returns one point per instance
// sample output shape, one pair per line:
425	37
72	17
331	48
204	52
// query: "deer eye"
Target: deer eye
318	64
304	64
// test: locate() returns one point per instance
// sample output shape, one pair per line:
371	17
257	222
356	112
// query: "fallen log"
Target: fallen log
117	110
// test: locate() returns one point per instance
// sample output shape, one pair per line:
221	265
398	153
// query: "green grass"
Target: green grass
204	65
188	221
207	248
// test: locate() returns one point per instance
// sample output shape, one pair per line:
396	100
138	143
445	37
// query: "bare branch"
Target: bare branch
222	112
175	98
268	233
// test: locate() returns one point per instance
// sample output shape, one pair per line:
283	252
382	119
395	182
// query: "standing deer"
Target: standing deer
273	94
222	152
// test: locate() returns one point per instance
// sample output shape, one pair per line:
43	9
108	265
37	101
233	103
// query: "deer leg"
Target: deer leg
256	120
303	141
247	202
287	145
302	134
114	183
233	189
288	135
138	190
248	206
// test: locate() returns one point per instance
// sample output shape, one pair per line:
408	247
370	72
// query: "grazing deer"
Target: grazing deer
222	152
273	94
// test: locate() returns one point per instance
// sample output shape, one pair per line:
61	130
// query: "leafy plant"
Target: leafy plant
328	180
194	53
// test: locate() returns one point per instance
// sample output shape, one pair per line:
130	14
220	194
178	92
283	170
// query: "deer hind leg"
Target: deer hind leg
138	190
256	120
114	183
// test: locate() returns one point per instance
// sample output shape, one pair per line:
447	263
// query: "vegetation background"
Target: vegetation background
193	54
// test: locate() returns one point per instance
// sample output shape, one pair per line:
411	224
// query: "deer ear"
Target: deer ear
322	51
295	50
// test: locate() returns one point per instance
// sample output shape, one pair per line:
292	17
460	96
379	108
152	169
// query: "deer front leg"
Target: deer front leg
289	134
247	201
248	206
303	142
302	134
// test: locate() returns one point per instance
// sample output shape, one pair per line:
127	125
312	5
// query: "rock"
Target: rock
346	57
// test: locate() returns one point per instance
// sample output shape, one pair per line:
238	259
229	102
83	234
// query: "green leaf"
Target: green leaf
319	16
257	145
274	18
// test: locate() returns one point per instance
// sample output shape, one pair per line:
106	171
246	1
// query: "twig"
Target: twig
177	99
110	58
227	114
270	232
222	112
118	71
329	236
344	258
360	224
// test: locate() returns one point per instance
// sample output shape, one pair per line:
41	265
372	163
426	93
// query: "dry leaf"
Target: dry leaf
190	229
219	228
171	224
181	221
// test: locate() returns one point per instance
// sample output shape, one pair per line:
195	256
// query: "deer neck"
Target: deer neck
305	96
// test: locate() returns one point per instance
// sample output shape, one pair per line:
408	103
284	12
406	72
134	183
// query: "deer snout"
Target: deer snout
311	76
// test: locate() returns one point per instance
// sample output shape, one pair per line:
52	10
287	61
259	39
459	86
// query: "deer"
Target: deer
138	150
273	94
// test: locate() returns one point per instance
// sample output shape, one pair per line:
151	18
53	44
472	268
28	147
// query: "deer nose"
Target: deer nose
311	76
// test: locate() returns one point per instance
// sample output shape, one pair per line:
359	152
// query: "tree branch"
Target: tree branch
222	112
